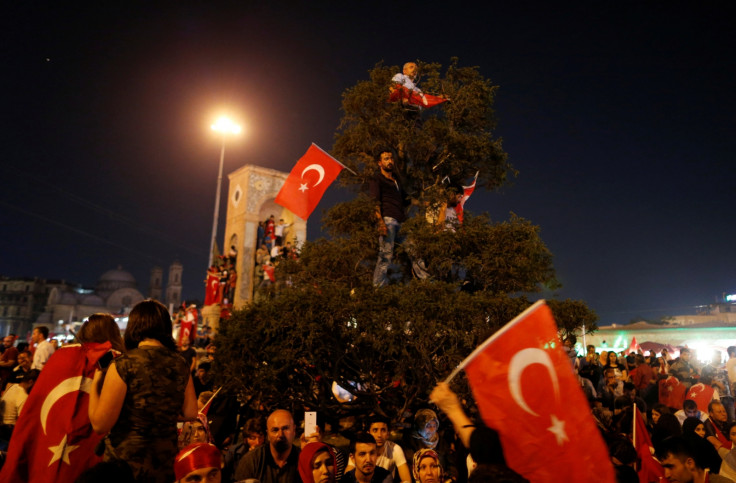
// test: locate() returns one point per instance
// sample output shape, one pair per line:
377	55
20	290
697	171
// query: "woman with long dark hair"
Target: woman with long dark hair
612	363
145	393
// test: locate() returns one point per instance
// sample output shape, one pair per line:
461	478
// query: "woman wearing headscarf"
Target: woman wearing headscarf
317	463
693	431
426	435
426	466
195	432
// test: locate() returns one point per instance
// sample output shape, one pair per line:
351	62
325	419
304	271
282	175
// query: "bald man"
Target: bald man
277	461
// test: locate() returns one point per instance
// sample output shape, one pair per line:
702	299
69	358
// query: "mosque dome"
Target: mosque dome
68	298
92	299
113	280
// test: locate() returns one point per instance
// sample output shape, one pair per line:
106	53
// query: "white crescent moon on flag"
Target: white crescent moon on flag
521	361
78	383
318	168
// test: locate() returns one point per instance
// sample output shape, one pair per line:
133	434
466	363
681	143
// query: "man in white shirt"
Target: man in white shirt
44	349
279	231
12	402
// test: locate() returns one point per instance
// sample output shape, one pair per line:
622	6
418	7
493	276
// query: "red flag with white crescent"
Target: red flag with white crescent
412	97
526	390
308	181
212	294
672	392
650	469
702	395
53	439
467	191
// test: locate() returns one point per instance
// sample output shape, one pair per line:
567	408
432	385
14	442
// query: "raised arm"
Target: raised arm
449	404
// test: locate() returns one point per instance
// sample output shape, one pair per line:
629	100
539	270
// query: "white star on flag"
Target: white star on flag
303	187
61	451
558	429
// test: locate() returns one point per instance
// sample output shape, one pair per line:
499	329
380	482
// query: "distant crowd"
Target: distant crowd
687	406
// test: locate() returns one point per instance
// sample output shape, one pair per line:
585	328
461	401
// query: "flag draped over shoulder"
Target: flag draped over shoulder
650	469
526	390
308	181
53	439
702	395
672	392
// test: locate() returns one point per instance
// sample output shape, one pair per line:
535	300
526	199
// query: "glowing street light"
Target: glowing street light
227	128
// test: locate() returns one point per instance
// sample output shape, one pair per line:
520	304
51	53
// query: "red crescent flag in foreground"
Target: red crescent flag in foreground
53	439
526	390
308	181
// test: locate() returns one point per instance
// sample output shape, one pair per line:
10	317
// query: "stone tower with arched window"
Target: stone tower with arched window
155	288
173	286
250	200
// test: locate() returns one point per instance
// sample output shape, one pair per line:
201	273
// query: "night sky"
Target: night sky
619	116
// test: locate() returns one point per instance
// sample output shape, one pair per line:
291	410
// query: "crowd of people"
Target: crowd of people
272	248
153	414
687	406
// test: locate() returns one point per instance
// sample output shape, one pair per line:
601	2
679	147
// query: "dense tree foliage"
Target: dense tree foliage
326	323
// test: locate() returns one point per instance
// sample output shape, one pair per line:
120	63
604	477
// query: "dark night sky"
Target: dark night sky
618	115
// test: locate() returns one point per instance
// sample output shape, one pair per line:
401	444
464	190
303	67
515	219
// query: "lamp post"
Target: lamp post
225	127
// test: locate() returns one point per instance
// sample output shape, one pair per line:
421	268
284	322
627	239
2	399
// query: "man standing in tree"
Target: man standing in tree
391	202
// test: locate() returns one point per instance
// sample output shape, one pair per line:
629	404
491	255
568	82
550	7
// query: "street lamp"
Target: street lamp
226	127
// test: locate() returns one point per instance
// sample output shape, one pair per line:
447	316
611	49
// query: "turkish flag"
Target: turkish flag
308	181
526	390
702	395
634	347
53	439
467	191
672	392
213	294
650	469
401	92
185	331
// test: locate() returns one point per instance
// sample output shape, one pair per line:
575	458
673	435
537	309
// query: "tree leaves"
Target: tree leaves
326	323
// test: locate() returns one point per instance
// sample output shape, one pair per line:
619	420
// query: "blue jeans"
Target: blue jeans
386	254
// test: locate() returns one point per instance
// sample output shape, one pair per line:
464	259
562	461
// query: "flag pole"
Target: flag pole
335	160
633	431
492	338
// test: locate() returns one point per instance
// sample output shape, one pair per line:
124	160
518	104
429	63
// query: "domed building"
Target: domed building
113	280
116	292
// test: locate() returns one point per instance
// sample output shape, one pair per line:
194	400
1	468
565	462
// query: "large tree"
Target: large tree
326	324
